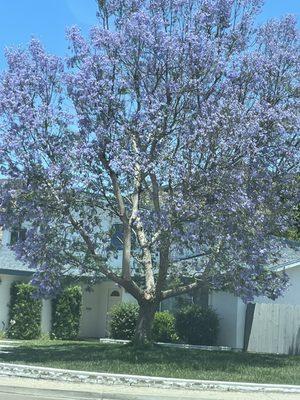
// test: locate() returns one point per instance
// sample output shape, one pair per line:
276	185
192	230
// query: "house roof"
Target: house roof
289	257
9	265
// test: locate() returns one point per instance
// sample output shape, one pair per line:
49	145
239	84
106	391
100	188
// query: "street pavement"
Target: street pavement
29	389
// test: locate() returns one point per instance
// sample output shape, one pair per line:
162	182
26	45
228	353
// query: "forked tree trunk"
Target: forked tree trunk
144	323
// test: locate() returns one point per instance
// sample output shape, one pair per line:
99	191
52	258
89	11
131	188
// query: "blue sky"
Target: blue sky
47	20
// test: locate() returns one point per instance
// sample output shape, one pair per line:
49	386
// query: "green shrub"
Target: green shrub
24	312
163	329
196	325
66	313
123	321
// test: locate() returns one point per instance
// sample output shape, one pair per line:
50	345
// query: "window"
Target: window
117	237
200	297
17	235
115	293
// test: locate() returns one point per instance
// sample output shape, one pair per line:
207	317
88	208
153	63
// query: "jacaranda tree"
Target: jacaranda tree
178	119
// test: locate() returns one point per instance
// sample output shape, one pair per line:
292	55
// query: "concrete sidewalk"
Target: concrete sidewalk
27	389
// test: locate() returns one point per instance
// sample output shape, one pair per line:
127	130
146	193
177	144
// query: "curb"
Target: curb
64	375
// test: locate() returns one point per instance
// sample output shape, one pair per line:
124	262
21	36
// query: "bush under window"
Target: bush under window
196	325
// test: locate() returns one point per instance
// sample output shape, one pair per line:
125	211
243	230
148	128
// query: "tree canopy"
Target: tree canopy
177	119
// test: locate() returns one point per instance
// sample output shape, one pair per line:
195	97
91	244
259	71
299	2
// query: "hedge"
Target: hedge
163	329
24	312
196	325
66	313
123	320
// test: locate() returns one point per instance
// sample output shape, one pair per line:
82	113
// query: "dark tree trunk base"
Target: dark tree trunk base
142	335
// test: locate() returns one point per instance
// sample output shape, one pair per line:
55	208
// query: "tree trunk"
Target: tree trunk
144	323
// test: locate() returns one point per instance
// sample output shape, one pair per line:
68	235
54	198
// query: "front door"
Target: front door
89	326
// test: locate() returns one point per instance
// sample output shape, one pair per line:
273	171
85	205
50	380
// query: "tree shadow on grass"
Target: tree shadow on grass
159	361
82	351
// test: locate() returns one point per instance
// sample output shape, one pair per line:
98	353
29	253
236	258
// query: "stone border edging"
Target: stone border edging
175	345
64	375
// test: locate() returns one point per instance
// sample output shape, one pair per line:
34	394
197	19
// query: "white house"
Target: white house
98	301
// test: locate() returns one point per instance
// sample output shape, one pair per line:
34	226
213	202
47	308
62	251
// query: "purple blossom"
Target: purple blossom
178	119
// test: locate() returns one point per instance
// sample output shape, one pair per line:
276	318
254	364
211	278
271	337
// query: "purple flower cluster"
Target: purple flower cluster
178	119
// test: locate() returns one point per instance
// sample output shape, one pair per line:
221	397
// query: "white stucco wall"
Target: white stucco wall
240	324
127	298
231	311
292	294
6	281
5	285
46	316
96	304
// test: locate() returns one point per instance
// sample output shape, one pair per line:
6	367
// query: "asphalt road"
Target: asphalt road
27	389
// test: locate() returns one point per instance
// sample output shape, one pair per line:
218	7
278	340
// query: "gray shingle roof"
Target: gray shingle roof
290	254
9	264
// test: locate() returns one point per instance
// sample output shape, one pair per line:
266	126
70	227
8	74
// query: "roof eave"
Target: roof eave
288	266
17	272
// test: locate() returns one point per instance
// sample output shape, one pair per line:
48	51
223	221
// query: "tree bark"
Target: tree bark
144	323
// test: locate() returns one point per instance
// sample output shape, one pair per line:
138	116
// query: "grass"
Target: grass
158	361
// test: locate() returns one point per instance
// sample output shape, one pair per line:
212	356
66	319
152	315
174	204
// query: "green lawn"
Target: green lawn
158	361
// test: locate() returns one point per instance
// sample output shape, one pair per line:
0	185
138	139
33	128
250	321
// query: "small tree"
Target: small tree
177	120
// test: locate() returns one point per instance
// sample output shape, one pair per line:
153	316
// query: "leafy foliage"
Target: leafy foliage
294	231
163	329
196	325
123	321
24	312
66	313
2	334
178	119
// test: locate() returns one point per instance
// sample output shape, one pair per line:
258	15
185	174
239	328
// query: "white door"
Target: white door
90	313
